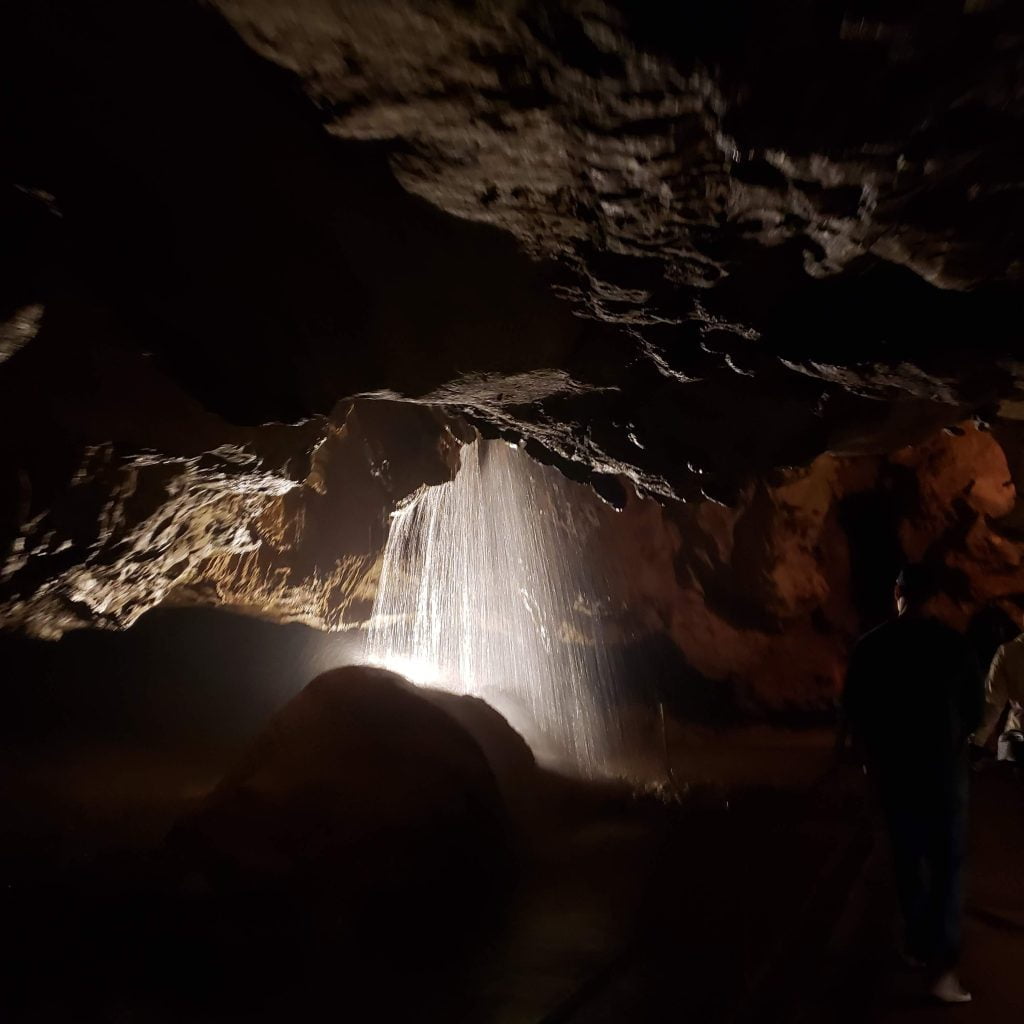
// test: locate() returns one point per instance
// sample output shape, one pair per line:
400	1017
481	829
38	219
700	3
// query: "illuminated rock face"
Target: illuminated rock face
766	598
681	257
763	600
658	147
281	521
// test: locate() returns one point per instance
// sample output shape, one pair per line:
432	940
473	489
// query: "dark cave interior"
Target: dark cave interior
595	366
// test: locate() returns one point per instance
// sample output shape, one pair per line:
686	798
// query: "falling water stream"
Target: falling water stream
491	585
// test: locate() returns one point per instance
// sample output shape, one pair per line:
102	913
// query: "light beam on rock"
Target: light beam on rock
490	587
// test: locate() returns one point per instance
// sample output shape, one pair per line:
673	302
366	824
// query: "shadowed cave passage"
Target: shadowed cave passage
448	454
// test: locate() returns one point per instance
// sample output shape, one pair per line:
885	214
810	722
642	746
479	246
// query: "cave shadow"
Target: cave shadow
131	932
123	934
103	920
110	926
870	520
656	672
656	675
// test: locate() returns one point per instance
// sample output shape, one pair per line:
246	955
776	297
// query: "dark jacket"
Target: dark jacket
913	696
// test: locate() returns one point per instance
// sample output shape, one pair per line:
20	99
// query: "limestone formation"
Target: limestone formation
265	263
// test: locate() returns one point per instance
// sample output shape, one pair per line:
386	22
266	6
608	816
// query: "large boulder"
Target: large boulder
360	792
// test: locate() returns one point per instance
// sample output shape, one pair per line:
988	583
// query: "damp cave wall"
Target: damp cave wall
523	220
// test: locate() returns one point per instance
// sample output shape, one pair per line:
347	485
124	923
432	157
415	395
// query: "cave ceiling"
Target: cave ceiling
678	247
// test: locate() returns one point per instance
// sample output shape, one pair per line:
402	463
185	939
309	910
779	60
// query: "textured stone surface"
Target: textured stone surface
360	788
770	216
682	250
770	191
767	597
315	556
286	522
679	140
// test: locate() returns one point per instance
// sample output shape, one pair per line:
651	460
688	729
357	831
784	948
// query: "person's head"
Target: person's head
914	586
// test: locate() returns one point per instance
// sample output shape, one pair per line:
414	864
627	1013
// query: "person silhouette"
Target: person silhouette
912	699
1004	691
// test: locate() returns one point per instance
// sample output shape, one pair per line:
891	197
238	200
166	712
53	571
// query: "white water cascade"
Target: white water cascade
490	587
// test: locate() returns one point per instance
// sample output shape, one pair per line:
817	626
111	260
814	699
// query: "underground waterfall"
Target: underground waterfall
491	585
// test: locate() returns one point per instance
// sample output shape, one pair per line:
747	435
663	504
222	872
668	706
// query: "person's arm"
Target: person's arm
995	697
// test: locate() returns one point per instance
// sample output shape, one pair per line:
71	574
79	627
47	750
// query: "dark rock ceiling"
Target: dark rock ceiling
782	207
683	245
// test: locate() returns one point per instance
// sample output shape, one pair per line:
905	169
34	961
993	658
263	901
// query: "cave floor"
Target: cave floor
797	918
761	894
859	980
734	878
766	895
625	900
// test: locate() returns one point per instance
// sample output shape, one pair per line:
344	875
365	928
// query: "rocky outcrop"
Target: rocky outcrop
780	206
770	216
315	556
765	599
750	257
359	790
158	500
656	150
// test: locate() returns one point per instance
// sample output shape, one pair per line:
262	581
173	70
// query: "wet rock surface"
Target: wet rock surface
767	597
677	252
